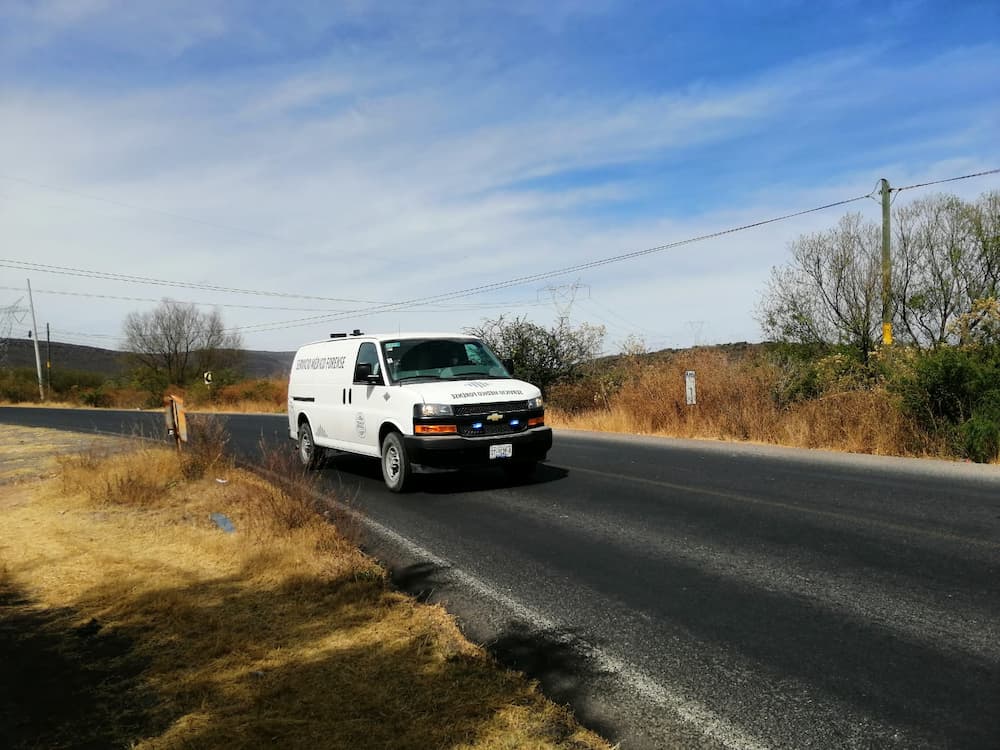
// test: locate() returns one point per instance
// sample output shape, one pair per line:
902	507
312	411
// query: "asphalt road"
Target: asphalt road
687	594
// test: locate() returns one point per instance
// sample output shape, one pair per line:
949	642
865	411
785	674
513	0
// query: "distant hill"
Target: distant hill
108	362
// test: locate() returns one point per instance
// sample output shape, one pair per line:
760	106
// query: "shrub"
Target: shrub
594	391
97	397
18	385
981	433
941	390
65	381
265	390
207	447
952	393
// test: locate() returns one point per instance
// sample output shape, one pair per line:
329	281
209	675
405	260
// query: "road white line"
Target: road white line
706	721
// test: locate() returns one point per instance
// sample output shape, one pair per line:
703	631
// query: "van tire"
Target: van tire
396	469
310	455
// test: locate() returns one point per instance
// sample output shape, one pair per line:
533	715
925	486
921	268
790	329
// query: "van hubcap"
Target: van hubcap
392	462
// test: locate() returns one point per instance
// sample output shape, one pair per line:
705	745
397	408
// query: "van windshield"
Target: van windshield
440	359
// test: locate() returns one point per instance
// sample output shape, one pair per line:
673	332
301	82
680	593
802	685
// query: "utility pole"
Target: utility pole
886	267
38	357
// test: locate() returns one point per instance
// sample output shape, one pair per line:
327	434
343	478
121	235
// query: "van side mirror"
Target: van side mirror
508	365
363	374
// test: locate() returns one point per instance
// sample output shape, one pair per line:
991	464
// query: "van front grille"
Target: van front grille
468	410
500	428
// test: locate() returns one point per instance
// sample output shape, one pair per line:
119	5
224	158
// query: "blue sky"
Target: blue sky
390	151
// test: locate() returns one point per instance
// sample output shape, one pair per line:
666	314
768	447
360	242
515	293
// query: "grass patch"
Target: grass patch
280	634
738	399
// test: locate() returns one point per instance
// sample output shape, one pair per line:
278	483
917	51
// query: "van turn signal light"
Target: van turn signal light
434	429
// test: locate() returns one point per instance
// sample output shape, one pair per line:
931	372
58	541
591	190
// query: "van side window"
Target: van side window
369	354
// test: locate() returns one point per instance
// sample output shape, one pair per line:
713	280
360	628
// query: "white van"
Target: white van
441	400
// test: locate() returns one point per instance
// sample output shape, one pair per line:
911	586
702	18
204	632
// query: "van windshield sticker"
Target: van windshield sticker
392	345
321	363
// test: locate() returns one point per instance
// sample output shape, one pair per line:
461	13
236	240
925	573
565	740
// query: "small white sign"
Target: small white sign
689	388
208	377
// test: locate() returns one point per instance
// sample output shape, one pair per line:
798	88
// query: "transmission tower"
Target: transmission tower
696	327
564	296
9	315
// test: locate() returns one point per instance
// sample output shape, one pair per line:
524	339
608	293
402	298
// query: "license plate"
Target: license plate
504	450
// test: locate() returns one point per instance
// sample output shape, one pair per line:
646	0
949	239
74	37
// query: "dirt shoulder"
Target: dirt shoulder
152	602
31	453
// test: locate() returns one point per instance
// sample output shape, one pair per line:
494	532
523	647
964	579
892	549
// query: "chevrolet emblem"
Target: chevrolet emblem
495	417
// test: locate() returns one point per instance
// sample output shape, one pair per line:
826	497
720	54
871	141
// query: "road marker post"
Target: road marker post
175	419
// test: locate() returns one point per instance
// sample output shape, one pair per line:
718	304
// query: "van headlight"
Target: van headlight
535	403
432	410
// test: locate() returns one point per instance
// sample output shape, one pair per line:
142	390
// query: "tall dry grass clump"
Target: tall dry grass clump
207	448
734	401
860	421
750	397
140	478
265	395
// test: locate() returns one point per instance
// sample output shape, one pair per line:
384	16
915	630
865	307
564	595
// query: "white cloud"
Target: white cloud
383	183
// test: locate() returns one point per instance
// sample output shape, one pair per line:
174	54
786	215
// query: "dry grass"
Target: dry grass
736	402
261	395
254	396
280	634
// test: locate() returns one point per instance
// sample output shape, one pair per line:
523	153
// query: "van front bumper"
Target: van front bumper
455	451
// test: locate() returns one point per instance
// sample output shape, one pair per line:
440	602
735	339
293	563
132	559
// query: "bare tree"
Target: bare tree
830	292
931	242
175	342
983	278
946	259
946	265
542	356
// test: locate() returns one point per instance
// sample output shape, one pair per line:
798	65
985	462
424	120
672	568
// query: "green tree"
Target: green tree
542	356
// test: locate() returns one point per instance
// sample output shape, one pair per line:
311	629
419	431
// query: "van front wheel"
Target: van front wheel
396	470
309	454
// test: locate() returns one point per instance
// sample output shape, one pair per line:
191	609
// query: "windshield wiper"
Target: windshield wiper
418	377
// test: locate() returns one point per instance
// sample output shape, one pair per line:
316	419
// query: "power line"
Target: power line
128	278
949	179
375	307
625	324
93	295
80	334
533	278
596	263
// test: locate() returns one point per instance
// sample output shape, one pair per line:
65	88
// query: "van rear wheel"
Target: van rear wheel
309	454
396	468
